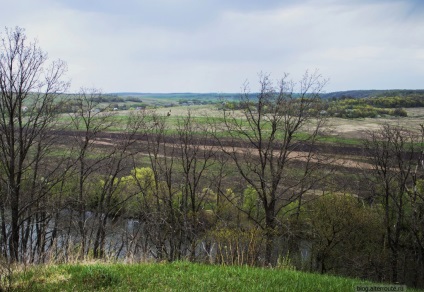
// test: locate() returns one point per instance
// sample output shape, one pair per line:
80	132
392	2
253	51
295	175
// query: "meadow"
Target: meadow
341	131
178	276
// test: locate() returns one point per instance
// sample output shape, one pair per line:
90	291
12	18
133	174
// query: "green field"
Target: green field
347	131
177	276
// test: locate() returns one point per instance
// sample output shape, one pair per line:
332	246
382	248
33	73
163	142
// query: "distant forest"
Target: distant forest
372	103
373	93
218	96
343	104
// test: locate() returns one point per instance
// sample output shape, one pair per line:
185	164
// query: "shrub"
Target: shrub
97	277
400	112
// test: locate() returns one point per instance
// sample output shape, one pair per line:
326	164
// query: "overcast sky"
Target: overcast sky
215	45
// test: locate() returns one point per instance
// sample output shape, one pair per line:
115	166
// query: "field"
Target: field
356	128
204	105
342	137
340	127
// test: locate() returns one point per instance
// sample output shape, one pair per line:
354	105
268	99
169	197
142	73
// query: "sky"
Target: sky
217	45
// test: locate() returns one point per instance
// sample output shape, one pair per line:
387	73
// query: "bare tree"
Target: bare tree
159	192
416	196
90	123
172	189
29	88
274	134
197	156
396	157
112	196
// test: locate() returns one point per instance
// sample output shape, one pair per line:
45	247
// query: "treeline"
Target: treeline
69	103
384	101
182	96
372	93
360	108
112	98
390	103
349	107
341	109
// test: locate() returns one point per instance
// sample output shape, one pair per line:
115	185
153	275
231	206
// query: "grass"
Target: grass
178	276
337	140
348	131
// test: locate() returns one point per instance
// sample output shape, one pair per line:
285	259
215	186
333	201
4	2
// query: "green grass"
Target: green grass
178	276
340	140
119	121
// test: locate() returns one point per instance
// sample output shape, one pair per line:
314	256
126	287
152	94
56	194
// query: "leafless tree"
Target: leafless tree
272	138
197	156
396	156
173	198
90	122
112	195
159	194
29	88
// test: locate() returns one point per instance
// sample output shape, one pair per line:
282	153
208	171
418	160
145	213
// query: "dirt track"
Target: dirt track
107	139
341	156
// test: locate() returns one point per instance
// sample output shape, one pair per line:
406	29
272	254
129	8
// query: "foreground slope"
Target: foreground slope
178	276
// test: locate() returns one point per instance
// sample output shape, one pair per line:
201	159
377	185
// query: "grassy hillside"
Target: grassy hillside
178	276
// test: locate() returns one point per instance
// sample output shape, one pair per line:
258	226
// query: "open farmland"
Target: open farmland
340	138
354	129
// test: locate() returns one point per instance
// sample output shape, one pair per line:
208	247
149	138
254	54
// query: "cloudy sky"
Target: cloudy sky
215	45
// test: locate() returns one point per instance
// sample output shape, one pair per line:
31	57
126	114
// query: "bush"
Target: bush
96	277
400	112
237	247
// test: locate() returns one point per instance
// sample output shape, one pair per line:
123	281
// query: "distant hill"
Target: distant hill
213	96
373	93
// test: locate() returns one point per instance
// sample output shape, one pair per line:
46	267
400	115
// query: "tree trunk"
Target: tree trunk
3	243
14	227
269	236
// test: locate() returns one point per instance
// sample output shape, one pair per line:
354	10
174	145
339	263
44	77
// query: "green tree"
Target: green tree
345	235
